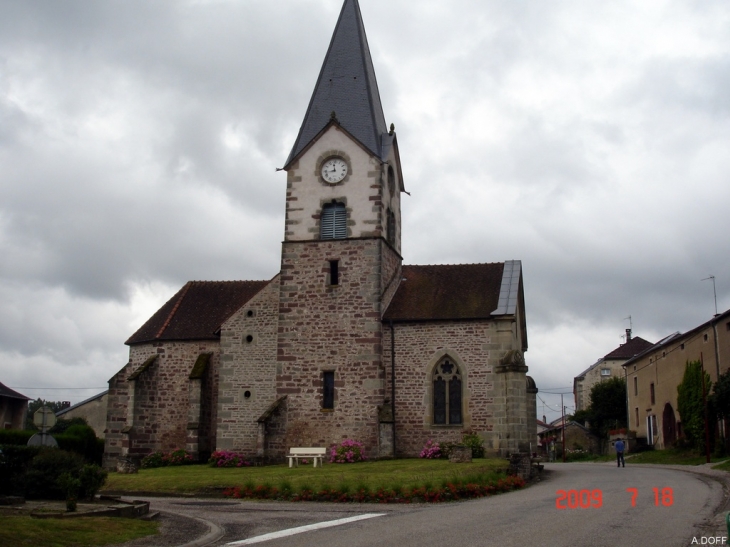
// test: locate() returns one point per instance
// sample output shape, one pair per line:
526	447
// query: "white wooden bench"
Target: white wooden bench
296	454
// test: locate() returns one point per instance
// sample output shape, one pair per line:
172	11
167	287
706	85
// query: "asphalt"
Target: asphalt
196	522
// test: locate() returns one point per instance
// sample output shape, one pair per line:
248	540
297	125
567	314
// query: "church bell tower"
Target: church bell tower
341	255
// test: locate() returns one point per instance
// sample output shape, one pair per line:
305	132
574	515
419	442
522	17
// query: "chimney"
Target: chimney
628	335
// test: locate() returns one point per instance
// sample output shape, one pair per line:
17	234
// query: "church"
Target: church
345	341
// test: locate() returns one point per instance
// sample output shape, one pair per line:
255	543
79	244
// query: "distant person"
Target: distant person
620	447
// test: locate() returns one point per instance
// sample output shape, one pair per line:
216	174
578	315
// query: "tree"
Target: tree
721	395
691	406
608	406
55	406
720	402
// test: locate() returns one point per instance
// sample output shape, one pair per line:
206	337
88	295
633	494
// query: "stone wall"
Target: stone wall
150	413
418	348
248	370
325	327
494	405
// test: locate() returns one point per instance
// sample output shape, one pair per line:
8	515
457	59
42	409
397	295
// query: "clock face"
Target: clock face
334	170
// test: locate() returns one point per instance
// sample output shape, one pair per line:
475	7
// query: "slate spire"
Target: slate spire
347	87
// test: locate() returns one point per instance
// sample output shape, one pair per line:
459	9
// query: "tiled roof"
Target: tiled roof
626	351
197	311
5	391
346	86
463	291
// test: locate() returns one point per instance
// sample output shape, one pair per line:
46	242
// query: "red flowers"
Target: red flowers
450	492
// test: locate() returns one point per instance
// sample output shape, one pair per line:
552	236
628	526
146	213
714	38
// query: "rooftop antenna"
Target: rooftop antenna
714	291
627	337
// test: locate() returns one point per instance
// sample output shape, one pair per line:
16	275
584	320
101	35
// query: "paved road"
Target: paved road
661	518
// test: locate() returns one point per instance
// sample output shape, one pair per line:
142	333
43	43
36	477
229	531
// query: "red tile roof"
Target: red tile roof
197	311
633	347
462	291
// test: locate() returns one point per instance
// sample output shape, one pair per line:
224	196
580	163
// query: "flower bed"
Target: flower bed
449	492
348	451
162	459
431	450
225	458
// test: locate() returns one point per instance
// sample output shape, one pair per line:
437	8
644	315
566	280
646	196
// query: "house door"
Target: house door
650	430
669	426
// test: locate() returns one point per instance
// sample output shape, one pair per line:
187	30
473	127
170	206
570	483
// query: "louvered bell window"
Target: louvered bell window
333	221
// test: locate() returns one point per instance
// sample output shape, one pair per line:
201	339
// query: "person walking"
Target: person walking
620	453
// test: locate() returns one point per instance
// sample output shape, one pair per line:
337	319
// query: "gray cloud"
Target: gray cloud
139	141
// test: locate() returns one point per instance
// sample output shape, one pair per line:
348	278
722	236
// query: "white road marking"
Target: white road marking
300	529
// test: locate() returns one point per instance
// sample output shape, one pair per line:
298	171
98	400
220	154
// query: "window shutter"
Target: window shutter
333	221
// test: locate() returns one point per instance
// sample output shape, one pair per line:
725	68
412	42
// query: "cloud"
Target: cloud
139	142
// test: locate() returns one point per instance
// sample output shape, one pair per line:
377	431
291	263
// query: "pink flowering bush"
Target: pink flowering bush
348	451
225	458
431	450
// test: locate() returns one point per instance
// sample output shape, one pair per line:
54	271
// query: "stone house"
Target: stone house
577	438
608	366
93	410
13	408
345	341
653	377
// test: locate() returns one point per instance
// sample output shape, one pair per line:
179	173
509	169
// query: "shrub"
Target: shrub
15	436
91	478
62	425
348	451
178	457
431	450
14	462
152	460
225	458
162	459
41	479
80	438
446	449
475	442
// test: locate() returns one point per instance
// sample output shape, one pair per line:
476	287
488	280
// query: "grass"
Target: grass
671	456
402	473
77	532
668	456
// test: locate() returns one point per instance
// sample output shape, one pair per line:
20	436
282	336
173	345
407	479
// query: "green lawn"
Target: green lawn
77	532
671	456
404	473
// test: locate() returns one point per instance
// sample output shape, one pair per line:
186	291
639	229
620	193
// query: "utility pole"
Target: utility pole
561	404
704	404
714	290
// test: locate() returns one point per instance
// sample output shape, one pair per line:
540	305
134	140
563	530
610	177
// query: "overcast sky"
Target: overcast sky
139	141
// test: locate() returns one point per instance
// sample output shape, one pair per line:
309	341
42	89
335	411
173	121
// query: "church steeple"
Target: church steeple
347	87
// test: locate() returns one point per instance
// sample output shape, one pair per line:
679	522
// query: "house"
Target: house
578	438
13	408
344	341
608	366
93	410
653	377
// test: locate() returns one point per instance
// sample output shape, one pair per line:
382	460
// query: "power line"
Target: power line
57	388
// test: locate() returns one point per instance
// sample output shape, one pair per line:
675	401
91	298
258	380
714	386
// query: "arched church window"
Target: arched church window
390	227
391	180
447	393
333	221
